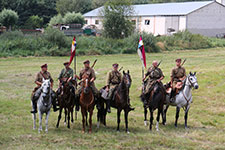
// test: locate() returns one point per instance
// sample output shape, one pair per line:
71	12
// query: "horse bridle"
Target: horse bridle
192	85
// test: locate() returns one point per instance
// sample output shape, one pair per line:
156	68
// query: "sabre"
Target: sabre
159	63
94	63
120	68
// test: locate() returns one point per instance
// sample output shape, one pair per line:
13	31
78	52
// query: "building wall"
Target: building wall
208	21
92	21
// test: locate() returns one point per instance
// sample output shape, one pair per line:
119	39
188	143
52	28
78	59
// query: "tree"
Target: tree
73	17
77	6
56	20
98	3
116	21
34	22
8	18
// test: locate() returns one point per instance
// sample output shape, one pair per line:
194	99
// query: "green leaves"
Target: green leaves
8	18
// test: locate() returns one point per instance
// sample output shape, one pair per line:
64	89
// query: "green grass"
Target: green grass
206	118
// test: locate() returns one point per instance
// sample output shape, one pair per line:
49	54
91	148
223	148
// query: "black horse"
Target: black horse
156	100
120	102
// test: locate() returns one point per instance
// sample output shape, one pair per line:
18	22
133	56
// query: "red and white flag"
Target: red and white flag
73	49
141	52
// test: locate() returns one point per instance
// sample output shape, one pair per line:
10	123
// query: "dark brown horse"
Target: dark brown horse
87	102
66	102
120	102
157	98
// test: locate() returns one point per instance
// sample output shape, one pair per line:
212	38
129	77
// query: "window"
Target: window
133	22
96	21
86	21
147	22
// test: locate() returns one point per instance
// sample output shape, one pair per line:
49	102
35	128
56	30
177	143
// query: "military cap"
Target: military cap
44	66
178	60
66	63
86	62
115	65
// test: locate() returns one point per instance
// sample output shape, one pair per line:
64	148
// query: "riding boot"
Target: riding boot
108	105
129	105
34	105
97	103
172	96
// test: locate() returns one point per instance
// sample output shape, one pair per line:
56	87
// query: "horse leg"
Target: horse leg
126	120
59	117
177	115
158	118
90	121
86	116
46	121
34	121
40	122
186	116
98	118
145	115
72	114
83	119
118	119
65	111
151	118
68	119
164	114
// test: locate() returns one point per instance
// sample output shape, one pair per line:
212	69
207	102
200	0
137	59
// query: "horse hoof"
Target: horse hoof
128	132
186	128
145	123
98	125
118	131
64	123
157	130
46	131
83	131
90	132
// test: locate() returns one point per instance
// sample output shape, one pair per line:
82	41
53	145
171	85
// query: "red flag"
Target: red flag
141	52
73	49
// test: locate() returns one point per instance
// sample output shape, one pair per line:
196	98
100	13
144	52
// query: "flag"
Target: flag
141	52
73	49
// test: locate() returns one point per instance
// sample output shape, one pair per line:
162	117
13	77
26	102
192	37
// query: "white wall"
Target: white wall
208	21
91	21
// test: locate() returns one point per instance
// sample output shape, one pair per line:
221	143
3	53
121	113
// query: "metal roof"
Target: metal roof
161	9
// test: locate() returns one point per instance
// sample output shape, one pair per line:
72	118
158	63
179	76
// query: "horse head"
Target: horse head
192	80
127	78
45	89
86	82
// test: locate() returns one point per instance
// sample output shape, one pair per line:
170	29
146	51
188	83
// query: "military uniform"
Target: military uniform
91	73
113	80
154	74
66	73
176	74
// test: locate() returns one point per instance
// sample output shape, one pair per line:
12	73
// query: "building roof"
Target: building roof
161	9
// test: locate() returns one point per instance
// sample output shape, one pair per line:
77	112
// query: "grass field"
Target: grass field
206	118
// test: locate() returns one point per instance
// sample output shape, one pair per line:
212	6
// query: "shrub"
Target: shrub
74	18
8	18
34	22
56	20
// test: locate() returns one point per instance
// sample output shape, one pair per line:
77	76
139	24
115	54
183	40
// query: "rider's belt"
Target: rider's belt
114	83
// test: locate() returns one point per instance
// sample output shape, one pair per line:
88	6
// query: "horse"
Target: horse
87	102
157	98
66	102
183	98
120	102
44	105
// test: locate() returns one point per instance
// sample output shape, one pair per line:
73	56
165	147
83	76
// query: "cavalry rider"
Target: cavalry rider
155	75
91	73
114	78
66	75
43	74
178	75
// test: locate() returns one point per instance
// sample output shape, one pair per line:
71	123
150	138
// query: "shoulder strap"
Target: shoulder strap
43	75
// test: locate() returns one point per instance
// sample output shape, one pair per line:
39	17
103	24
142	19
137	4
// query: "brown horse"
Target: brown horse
156	100
66	102
87	102
120	102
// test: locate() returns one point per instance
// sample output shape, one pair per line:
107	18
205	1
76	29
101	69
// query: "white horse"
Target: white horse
183	98
44	105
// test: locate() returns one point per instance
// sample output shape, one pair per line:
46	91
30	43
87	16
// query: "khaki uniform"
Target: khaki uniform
66	73
113	80
154	74
91	73
39	77
176	74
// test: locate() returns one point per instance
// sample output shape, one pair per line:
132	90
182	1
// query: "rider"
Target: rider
37	90
155	75
178	75
113	80
91	73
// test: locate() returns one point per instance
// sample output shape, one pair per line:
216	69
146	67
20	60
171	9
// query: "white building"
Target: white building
203	17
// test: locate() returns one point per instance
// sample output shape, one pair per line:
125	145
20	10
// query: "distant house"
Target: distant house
202	17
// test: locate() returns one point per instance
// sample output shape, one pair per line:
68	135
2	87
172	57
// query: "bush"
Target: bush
74	18
56	20
8	18
34	22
